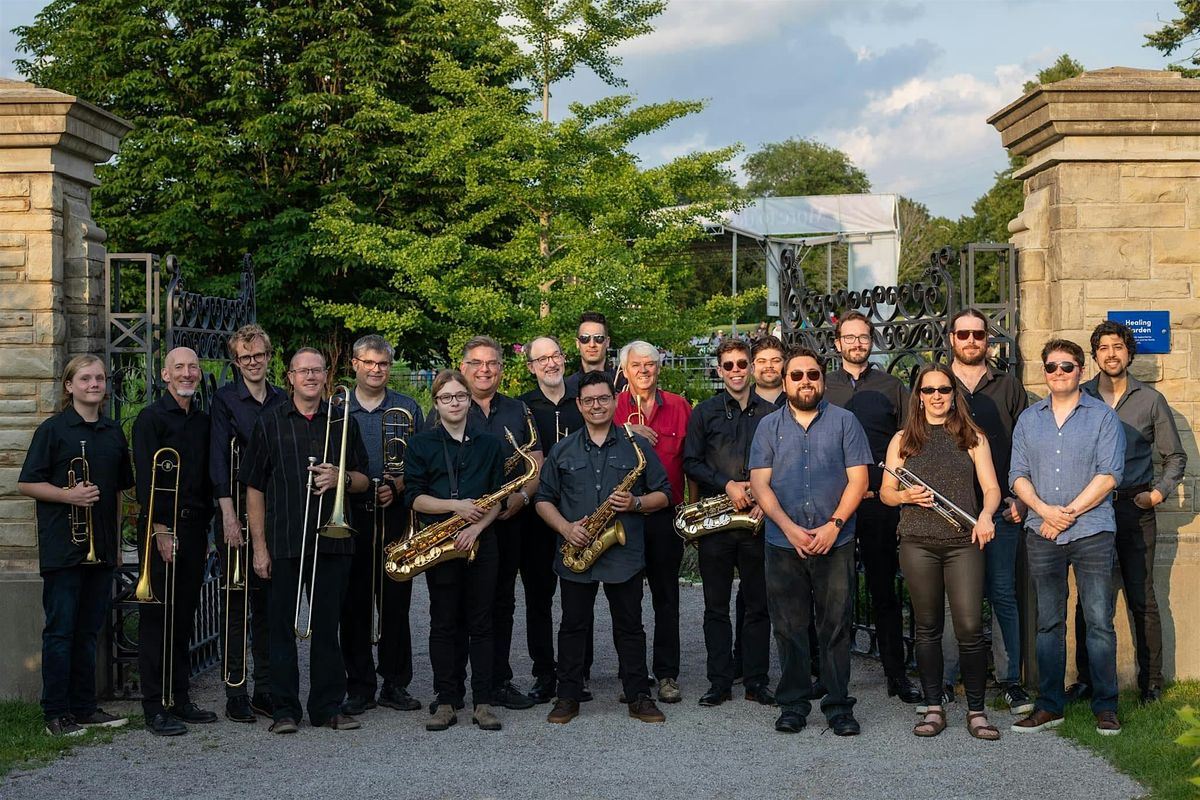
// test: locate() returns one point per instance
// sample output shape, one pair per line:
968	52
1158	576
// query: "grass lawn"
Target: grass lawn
1146	748
24	741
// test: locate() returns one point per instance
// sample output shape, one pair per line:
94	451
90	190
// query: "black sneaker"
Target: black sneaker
190	712
64	726
238	709
398	698
1018	701
164	724
543	691
1077	691
511	697
947	698
100	719
263	705
358	705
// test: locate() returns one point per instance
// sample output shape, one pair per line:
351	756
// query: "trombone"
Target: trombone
941	504
235	570
165	465
336	527
397	426
82	530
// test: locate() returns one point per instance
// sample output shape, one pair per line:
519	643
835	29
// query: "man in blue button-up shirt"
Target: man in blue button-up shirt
808	472
1068	455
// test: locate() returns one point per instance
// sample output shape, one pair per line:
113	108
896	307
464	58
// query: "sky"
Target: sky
903	86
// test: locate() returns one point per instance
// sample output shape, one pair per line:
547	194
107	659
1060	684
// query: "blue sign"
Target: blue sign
1151	329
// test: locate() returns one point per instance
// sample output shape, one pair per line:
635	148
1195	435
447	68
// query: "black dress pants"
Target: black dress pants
875	528
358	611
460	606
664	554
508	534
575	634
539	548
720	554
259	644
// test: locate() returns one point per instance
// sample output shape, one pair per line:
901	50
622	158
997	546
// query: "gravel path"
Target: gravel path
730	751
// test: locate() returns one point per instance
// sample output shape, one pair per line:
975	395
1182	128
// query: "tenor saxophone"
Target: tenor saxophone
712	515
405	559
603	535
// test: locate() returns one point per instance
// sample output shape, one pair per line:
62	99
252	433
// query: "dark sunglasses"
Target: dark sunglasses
1066	366
798	375
741	363
978	336
588	338
938	389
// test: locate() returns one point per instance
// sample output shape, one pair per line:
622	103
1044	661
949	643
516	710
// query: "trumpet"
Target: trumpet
165	464
336	527
941	504
235	570
82	530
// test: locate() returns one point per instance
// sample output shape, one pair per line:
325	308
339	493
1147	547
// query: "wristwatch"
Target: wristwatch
637	504
524	494
838	522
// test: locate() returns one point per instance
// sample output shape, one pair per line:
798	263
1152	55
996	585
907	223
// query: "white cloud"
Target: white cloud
699	24
669	151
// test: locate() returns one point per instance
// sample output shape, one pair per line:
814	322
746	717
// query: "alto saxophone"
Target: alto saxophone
405	559
712	515
601	534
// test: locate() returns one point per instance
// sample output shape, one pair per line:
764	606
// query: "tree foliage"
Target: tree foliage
1180	33
798	167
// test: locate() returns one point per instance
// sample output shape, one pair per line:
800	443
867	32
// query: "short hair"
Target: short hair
802	352
482	341
246	335
302	351
767	343
595	377
443	377
850	316
528	348
1063	346
373	341
641	348
1110	328
73	366
968	312
732	344
593	316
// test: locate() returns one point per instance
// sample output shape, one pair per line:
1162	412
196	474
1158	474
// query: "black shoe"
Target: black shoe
263	705
901	687
1078	691
511	697
358	705
761	694
398	698
1151	695
65	726
238	709
586	695
790	721
543	690
164	724
817	691
190	712
844	724
715	696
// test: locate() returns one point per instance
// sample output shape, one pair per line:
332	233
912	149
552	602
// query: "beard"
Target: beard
1113	371
970	360
801	404
186	392
856	357
770	383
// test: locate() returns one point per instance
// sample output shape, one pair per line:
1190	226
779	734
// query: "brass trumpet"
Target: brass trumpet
941	504
235	570
82	530
165	464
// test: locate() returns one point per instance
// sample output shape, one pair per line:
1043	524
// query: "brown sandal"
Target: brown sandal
928	728
987	731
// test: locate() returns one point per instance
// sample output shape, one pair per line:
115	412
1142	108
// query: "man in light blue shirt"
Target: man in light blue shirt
1068	456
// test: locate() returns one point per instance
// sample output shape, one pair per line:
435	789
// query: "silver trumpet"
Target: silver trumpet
941	504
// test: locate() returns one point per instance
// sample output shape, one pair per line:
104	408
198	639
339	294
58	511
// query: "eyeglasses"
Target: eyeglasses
741	363
588	338
978	336
596	400
307	372
1066	366
475	364
543	361
370	365
850	338
938	389
251	358
798	375
452	399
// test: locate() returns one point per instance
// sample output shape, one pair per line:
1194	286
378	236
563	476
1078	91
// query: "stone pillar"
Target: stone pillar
1112	222
51	308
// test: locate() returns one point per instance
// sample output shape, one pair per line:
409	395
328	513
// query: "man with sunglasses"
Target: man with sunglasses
1149	427
593	340
878	400
1068	456
808	471
236	406
716	451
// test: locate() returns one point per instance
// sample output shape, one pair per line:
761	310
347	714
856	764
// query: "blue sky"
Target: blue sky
904	87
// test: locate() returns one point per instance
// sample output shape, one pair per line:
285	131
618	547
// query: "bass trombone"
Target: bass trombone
235	570
83	531
941	504
165	470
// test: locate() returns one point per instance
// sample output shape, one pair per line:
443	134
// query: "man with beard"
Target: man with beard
808	472
767	357
1149	426
879	401
593	340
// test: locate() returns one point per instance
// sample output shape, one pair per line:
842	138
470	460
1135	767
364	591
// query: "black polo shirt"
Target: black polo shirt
477	462
164	424
276	463
995	405
879	401
55	443
554	421
572	380
234	412
716	449
505	412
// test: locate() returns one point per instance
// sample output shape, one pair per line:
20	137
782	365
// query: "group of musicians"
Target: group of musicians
948	483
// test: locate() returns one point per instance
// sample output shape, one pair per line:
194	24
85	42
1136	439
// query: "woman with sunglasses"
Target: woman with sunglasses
943	447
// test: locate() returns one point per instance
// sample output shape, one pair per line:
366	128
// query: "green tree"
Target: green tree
920	235
798	167
1180	33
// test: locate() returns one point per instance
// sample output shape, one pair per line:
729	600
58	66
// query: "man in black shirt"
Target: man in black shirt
715	455
583	473
287	450
879	401
593	340
173	421
235	409
75	593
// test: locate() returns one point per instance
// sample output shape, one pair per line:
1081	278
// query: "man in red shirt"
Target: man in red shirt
662	418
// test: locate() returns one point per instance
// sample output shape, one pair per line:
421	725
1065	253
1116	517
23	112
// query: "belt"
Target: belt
1130	493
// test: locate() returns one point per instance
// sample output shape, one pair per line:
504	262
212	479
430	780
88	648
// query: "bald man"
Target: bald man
180	540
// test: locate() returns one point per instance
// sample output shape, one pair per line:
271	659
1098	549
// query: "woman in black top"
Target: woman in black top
942	446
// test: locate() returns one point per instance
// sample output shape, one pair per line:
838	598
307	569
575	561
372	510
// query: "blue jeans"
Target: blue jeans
1092	557
1000	557
76	602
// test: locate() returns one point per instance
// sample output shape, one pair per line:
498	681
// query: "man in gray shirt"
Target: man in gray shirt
1149	427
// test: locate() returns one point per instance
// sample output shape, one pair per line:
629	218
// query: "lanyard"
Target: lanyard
452	467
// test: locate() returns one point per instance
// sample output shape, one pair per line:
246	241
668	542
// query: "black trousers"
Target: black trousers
720	554
934	574
1137	534
875	528
664	554
460	601
575	635
539	548
508	535
259	644
326	671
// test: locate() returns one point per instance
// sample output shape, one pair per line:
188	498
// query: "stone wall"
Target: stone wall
1112	222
